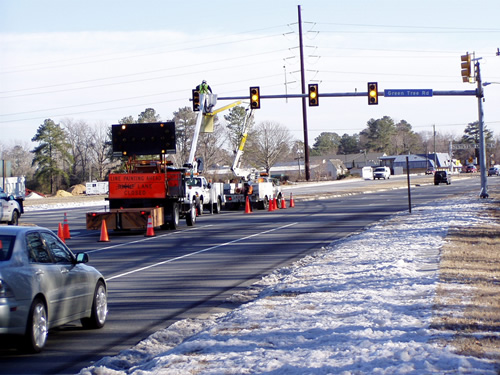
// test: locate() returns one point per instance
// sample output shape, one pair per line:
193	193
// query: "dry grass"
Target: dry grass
467	304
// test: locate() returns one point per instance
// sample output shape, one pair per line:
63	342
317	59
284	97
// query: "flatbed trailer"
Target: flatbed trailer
124	219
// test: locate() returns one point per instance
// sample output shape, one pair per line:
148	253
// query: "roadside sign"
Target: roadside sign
408	93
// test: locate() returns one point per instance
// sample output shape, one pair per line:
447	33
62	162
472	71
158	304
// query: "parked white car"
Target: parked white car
382	172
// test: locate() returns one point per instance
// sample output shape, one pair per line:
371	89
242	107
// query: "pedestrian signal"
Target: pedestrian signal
196	100
313	95
255	97
372	93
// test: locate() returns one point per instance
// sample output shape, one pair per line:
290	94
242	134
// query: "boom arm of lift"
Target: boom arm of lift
204	117
237	159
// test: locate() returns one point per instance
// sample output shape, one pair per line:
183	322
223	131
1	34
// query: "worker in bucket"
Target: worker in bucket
204	88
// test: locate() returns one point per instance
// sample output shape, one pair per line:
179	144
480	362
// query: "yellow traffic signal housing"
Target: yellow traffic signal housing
196	100
466	67
255	97
313	95
372	93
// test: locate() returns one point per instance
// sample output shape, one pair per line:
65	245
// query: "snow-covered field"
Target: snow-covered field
360	306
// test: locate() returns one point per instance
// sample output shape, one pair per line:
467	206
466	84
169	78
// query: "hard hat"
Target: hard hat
203	81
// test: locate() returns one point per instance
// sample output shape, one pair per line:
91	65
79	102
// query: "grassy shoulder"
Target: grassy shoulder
467	302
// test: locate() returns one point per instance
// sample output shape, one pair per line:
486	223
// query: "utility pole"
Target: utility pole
482	145
304	106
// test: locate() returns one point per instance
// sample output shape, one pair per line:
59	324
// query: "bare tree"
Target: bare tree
80	138
270	143
20	157
185	120
103	159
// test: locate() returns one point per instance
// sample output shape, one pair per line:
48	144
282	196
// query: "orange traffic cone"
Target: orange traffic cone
150	231
292	203
271	207
283	202
248	210
275	203
104	232
66	228
60	233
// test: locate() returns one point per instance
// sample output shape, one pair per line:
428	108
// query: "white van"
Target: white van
382	172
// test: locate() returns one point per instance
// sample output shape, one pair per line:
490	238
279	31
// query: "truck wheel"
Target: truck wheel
174	220
15	218
216	206
191	216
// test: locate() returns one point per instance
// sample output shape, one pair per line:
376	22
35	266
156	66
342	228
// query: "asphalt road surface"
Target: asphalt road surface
156	281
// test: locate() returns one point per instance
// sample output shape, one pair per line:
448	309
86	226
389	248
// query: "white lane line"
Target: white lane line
197	252
147	239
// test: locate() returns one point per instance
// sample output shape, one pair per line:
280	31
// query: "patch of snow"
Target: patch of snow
363	305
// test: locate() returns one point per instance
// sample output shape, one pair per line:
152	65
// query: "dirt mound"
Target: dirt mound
77	189
62	193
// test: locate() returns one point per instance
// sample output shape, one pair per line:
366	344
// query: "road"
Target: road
156	281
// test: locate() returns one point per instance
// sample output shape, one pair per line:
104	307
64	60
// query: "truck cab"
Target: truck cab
10	210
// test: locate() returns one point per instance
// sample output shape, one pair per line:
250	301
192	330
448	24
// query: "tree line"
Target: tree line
74	152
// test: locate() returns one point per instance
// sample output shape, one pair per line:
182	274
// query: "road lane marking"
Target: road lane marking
147	239
197	252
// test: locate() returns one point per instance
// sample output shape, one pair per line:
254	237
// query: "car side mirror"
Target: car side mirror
209	185
82	258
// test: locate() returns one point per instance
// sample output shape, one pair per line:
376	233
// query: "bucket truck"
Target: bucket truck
264	188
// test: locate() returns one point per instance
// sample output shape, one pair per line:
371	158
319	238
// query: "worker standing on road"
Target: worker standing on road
247	192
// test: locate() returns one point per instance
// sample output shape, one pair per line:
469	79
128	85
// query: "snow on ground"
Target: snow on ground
360	306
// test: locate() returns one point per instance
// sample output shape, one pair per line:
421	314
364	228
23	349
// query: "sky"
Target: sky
99	61
362	305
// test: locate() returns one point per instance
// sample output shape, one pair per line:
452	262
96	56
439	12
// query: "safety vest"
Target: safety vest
203	88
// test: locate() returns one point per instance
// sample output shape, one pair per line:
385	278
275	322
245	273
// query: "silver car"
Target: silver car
44	285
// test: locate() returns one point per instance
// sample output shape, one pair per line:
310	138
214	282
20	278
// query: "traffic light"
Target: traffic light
255	97
196	100
372	93
466	68
313	95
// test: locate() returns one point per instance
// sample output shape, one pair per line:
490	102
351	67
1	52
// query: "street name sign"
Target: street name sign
408	93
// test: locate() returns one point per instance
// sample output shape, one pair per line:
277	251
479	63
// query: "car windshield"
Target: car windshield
6	246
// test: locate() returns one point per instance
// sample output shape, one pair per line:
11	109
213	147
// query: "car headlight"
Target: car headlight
5	291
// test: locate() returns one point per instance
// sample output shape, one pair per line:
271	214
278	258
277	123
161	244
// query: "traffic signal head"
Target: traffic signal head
254	97
372	93
313	95
466	67
196	100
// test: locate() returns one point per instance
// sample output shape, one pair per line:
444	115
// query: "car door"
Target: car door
45	275
75	290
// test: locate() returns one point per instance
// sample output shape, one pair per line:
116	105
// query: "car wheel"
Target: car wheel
37	327
99	308
15	218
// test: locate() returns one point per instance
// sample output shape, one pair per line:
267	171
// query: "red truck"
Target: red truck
150	187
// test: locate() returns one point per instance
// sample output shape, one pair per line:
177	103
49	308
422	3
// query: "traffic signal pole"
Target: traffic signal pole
482	144
304	106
